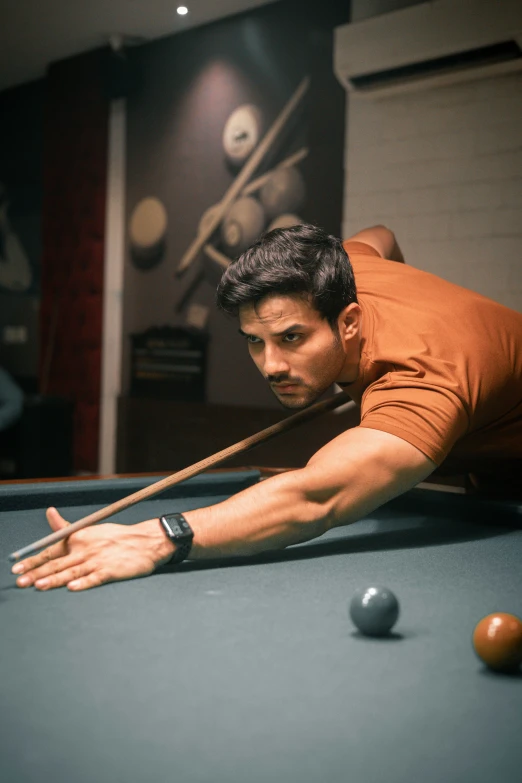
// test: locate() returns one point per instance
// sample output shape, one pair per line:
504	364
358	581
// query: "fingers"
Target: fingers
56	522
51	567
73	572
94	579
79	578
65	577
89	558
52	552
55	519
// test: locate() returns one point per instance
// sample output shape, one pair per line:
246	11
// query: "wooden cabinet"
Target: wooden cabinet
163	435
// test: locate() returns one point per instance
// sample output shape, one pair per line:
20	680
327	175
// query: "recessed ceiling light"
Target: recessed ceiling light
182	10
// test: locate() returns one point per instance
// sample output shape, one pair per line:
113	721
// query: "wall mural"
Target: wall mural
147	233
249	207
233	129
242	133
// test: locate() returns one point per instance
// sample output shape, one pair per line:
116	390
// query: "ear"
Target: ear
349	321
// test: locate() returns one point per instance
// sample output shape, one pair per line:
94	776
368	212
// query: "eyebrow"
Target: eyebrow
282	333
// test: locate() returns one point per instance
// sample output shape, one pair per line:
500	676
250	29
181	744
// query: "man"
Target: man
436	370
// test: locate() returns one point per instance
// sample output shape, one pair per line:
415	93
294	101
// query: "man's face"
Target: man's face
295	349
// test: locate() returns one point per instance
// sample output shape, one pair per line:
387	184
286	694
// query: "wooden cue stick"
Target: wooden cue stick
215	255
182	475
243	177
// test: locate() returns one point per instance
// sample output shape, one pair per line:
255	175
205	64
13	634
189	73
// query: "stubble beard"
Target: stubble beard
298	401
307	394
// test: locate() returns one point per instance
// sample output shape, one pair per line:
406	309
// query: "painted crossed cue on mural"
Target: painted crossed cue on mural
240	186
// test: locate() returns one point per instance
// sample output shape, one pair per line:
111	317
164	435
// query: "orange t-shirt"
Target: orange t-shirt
441	366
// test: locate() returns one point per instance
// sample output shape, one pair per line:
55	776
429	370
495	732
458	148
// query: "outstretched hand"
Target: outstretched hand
95	555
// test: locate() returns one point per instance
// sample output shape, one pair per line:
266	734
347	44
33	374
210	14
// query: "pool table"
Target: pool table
249	670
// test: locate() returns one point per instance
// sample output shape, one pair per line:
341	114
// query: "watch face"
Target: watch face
242	133
178	526
176	529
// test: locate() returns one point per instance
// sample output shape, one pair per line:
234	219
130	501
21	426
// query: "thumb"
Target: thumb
55	519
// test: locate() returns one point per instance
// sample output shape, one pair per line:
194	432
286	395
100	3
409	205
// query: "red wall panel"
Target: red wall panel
75	171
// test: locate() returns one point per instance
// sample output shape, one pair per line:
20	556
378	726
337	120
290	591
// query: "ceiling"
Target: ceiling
34	33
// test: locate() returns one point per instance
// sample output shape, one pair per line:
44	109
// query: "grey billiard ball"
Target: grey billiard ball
374	610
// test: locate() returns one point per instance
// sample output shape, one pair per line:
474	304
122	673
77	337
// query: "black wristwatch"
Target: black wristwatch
180	533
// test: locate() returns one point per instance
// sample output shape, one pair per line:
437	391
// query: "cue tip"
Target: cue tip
14	557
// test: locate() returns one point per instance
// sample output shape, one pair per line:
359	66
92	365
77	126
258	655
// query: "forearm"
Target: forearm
271	515
279	512
346	480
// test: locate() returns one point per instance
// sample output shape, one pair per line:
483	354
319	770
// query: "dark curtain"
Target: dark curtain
75	174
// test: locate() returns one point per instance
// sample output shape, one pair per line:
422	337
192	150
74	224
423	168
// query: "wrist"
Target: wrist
162	547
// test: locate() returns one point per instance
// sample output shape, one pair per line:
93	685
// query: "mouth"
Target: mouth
285	388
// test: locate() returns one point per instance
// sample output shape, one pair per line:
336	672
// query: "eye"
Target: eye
252	339
293	337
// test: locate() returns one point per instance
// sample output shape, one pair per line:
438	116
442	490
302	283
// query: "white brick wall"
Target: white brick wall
443	169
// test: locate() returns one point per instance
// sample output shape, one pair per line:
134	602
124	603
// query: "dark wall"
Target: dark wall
21	161
185	87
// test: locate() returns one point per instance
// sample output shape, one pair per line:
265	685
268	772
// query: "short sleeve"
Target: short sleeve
431	418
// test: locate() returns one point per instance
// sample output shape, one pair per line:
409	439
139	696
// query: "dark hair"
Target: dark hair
299	260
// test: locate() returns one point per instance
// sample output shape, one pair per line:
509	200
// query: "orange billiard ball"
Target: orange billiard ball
497	640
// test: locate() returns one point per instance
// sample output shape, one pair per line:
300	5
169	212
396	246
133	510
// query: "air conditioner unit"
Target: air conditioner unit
430	44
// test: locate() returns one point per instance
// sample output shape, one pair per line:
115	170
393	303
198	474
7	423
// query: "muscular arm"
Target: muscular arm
352	475
347	479
382	240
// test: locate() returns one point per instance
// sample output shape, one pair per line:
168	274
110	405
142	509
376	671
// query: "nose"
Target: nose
274	362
